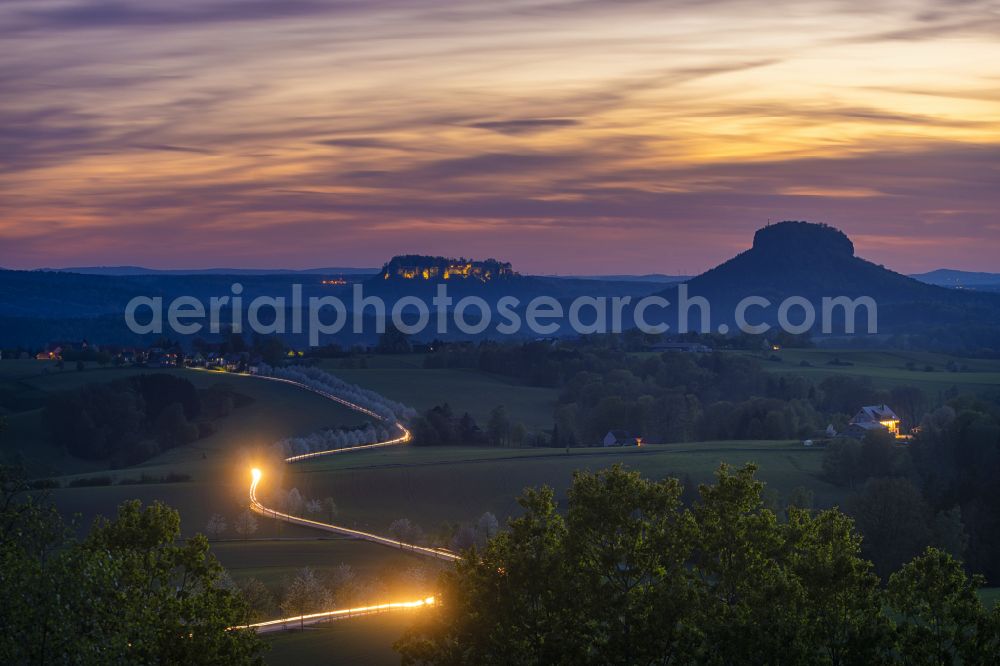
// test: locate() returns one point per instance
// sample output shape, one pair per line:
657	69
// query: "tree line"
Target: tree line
130	420
440	426
630	575
673	396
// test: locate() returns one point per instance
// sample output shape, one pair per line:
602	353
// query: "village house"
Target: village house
53	353
872	417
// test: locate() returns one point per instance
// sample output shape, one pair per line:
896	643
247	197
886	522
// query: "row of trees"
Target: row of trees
457	536
629	575
677	397
245	525
310	592
439	426
319	380
332	438
673	396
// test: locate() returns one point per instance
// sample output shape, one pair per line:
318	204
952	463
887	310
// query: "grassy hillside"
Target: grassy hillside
274	561
465	390
436	485
385	575
887	369
277	411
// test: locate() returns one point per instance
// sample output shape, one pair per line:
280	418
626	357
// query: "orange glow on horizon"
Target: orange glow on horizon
498	137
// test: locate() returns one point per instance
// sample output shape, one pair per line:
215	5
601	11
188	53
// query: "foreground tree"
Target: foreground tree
632	576
893	517
942	621
509	604
128	593
628	540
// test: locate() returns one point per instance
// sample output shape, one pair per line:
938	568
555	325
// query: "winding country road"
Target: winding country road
404	436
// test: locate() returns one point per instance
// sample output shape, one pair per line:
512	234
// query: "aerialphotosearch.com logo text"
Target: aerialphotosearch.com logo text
473	315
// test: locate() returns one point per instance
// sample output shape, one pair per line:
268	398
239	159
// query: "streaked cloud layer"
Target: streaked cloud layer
564	135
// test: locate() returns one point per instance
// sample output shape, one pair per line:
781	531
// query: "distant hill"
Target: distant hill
139	270
810	260
424	268
490	279
785	259
40	306
946	277
797	258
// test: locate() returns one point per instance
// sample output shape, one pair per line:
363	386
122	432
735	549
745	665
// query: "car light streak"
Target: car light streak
281	624
256	475
257	507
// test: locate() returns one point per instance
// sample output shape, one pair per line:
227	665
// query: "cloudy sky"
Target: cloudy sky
569	136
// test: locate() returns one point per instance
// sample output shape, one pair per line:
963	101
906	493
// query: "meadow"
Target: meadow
277	411
365	640
273	561
889	368
439	485
465	390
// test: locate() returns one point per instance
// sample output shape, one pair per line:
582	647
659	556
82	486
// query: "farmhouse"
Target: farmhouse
53	353
872	417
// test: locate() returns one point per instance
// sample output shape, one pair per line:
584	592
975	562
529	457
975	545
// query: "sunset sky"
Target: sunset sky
566	136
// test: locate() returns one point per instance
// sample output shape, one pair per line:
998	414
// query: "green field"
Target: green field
365	640
277	411
889	368
274	562
436	485
465	390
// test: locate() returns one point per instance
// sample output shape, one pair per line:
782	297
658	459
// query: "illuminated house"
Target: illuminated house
421	267
873	417
52	354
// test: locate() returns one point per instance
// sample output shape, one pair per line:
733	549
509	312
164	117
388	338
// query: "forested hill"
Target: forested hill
817	260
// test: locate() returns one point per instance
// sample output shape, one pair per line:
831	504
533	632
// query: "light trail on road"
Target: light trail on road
285	623
256	506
